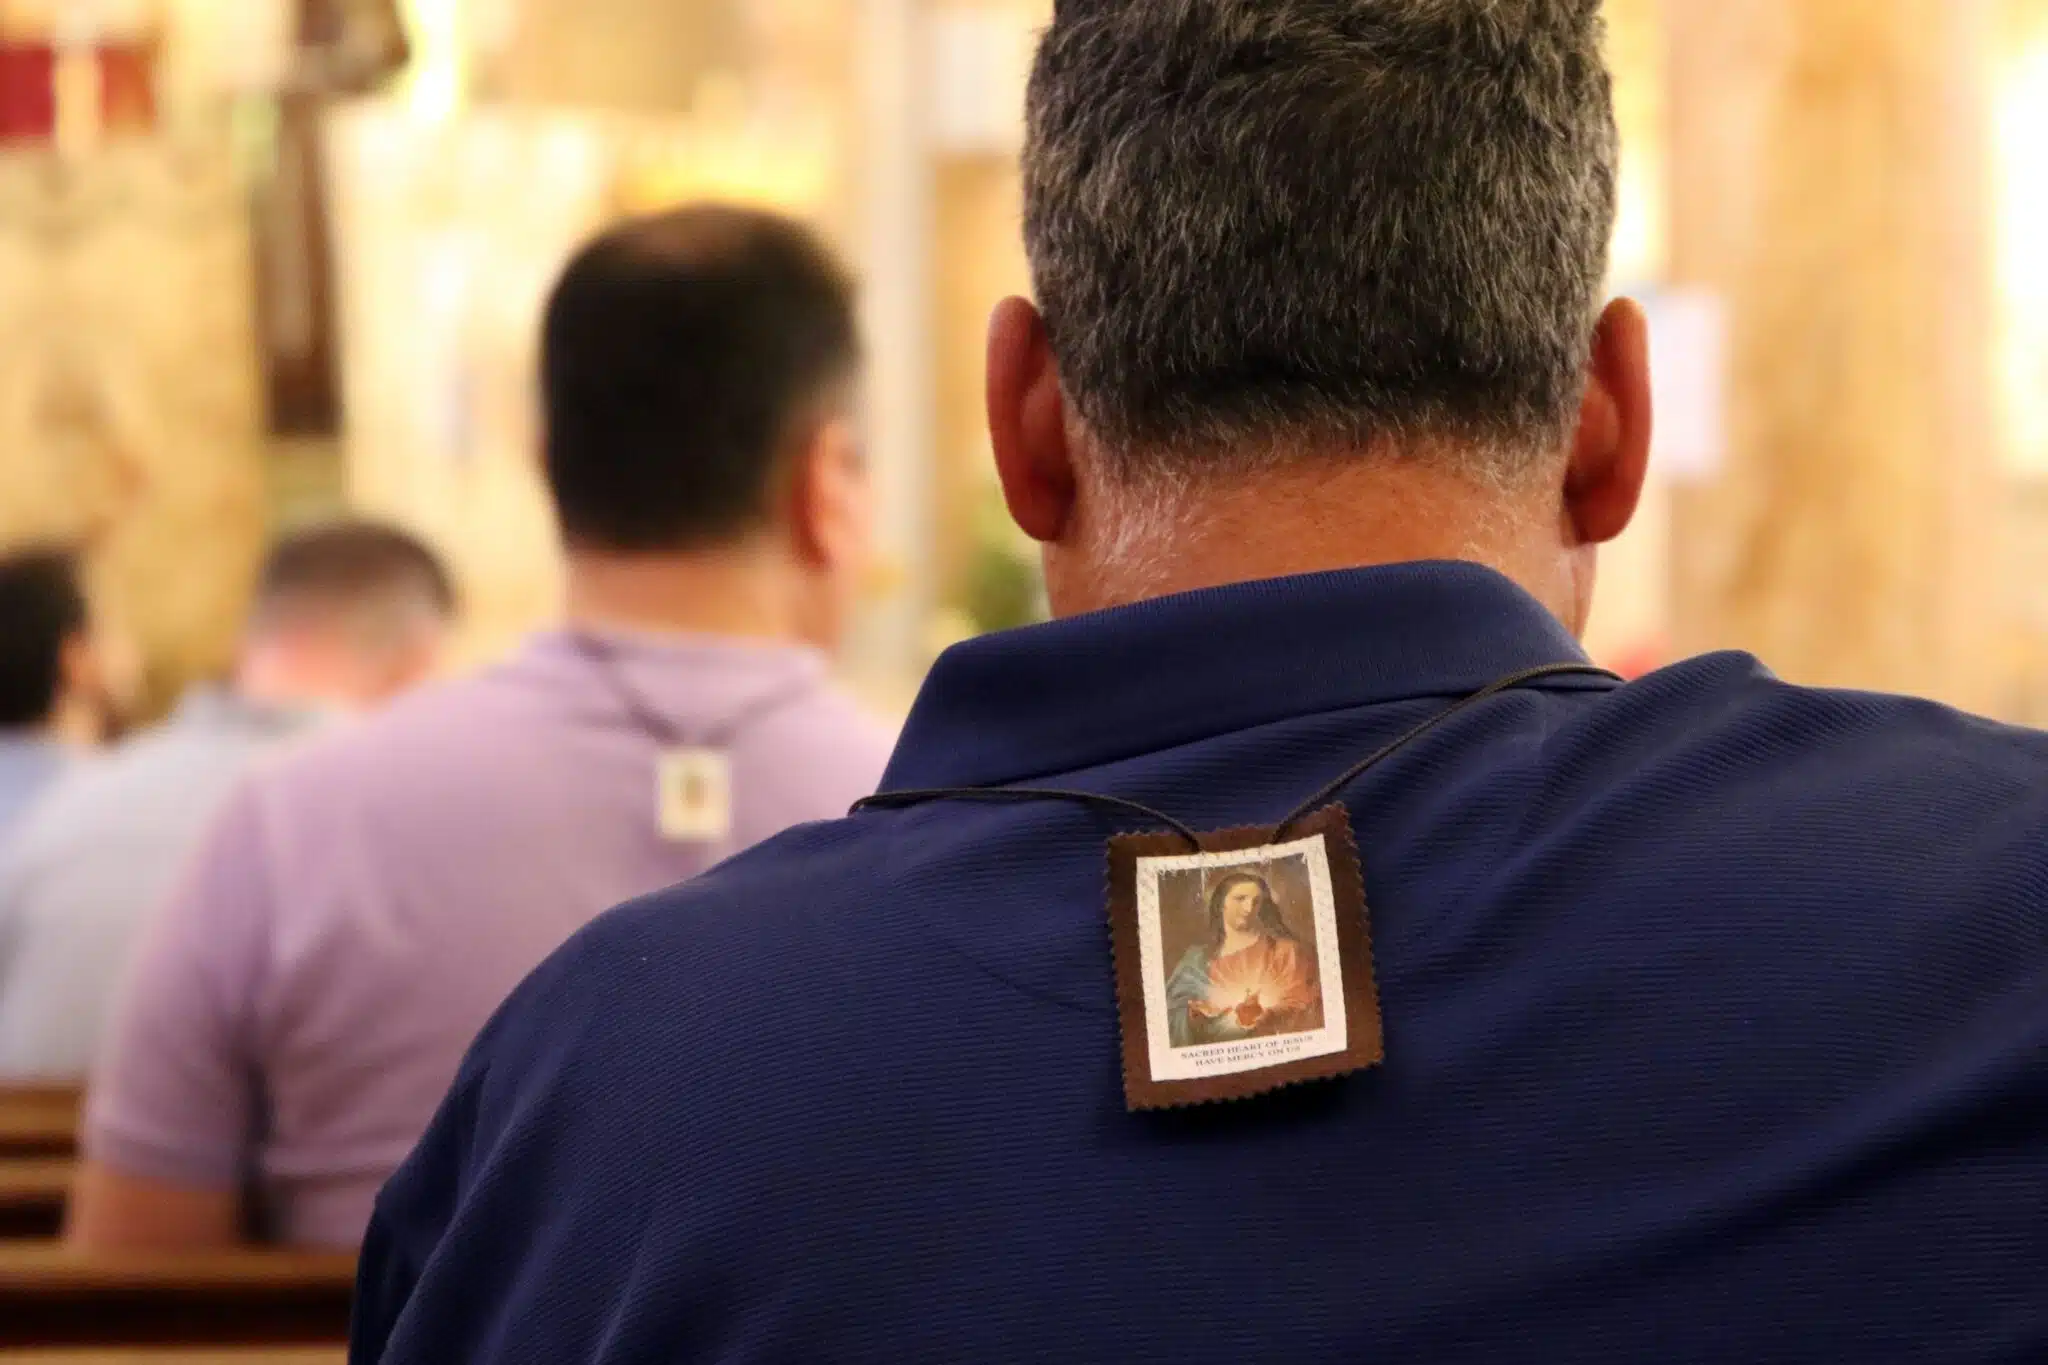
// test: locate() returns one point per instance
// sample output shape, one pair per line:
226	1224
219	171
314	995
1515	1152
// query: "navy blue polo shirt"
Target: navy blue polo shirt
1716	1017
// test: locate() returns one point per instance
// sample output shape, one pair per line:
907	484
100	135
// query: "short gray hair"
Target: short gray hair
1256	224
377	583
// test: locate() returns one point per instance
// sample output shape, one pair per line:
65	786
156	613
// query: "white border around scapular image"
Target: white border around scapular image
1170	1063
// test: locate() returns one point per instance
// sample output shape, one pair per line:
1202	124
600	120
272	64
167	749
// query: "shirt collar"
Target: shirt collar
573	645
1094	689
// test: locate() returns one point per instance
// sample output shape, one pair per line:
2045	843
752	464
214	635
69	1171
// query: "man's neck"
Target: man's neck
1314	517
737	594
80	722
271	690
302	669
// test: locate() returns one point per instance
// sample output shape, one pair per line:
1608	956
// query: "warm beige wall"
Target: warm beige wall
128	400
640	55
2021	87
1826	174
978	205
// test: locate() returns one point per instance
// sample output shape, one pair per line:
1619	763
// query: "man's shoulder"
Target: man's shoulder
93	796
714	973
1831	813
393	750
1721	720
781	902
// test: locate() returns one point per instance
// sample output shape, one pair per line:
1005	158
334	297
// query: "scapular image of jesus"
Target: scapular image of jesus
1251	979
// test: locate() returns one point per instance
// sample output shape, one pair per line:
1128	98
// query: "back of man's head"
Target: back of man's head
346	613
43	614
687	359
1261	226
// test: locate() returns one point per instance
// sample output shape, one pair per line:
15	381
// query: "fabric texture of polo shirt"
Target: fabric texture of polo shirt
28	765
364	903
95	856
1716	1019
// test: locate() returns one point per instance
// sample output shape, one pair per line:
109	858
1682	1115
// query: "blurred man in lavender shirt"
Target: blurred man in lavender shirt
361	907
347	615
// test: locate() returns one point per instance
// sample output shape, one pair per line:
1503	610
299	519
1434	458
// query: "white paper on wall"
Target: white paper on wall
1688	377
980	64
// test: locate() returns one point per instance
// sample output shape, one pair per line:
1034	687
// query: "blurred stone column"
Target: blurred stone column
1827	183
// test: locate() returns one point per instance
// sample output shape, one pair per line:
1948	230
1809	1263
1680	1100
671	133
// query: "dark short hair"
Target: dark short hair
351	567
1256	225
681	356
42	608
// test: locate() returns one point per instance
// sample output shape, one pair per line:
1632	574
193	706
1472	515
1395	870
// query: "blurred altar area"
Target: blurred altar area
262	259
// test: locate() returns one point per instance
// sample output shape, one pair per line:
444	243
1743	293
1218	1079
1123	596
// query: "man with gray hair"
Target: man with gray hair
1298	951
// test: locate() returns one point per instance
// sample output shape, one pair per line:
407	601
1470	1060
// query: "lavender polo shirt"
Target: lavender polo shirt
362	905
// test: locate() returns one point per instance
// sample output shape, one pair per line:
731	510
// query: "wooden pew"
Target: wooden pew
39	1120
33	1192
50	1296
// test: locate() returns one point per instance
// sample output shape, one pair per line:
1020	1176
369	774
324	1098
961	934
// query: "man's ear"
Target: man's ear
830	506
1027	422
1610	456
78	664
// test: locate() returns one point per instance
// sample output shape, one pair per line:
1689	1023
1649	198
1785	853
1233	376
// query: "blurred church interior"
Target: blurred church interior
260	259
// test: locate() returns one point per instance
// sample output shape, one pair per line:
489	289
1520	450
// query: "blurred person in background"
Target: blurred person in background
1715	1008
60	688
362	905
345	617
